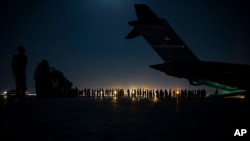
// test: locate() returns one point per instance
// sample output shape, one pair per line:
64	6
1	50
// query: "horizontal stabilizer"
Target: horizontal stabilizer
132	34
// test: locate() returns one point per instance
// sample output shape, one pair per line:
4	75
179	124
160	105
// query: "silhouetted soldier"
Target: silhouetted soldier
19	63
42	79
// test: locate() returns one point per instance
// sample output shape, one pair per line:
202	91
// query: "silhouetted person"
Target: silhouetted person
42	79
55	82
19	63
216	91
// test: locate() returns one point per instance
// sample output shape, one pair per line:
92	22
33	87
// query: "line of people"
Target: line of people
50	82
182	93
101	92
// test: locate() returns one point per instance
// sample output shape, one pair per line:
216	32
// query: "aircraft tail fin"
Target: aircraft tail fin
160	35
146	15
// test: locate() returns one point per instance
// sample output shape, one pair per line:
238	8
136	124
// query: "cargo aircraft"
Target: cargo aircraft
181	62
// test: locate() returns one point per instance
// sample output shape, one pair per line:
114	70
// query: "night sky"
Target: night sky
85	39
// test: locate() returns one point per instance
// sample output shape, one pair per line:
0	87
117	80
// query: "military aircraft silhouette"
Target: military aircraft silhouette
180	61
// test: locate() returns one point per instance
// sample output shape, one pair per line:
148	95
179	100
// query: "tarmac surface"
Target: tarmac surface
122	119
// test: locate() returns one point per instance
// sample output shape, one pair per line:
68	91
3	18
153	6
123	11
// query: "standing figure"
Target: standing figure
42	79
19	63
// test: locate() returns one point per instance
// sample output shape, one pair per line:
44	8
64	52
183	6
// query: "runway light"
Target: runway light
178	92
30	94
4	93
155	99
133	99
